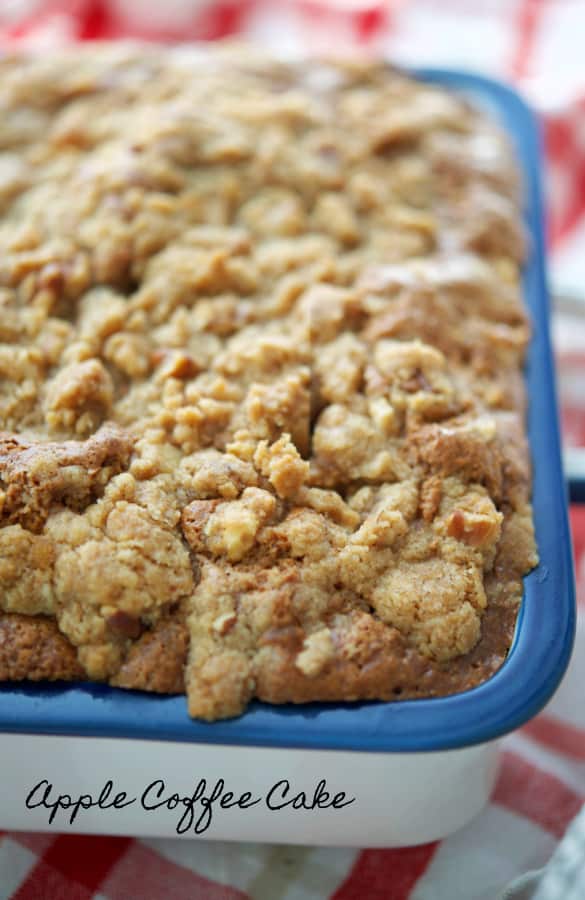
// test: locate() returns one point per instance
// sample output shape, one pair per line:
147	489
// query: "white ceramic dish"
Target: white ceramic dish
173	789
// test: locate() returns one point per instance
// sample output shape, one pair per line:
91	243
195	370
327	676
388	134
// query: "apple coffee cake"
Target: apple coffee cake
261	393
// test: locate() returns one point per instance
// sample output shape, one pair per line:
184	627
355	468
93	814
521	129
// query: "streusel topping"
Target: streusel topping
261	392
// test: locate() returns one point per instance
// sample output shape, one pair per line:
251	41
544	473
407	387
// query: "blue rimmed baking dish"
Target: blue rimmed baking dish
418	751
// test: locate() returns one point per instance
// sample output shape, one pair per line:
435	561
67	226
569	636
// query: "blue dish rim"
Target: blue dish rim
546	623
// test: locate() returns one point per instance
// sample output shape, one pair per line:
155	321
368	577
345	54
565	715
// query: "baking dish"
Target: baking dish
368	774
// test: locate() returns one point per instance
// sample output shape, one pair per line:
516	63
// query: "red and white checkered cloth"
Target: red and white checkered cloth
537	44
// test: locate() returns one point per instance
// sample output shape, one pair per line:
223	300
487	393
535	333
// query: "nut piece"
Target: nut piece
224	623
80	397
228	529
174	364
125	625
193	521
317	650
232	531
282	465
474	529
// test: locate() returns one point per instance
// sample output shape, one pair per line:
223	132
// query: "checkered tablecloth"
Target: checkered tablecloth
539	46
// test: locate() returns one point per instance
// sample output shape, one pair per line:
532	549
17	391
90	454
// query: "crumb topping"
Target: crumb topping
261	394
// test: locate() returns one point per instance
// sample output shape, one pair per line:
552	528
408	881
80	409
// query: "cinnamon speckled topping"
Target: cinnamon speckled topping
261	394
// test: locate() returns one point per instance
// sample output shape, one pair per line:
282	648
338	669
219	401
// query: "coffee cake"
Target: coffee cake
261	392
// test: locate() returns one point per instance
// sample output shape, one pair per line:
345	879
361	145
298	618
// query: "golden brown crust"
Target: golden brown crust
156	661
261	394
32	647
37	475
